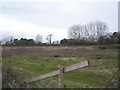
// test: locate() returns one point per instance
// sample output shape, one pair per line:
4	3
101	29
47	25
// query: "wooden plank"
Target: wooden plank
67	69
76	66
45	76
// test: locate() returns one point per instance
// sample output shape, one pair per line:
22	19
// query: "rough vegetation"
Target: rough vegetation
33	61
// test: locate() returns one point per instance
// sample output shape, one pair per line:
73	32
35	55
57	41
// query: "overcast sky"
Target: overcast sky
27	18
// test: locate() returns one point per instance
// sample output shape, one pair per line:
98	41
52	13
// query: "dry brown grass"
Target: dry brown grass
53	51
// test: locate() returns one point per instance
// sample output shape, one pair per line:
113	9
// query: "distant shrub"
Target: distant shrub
102	47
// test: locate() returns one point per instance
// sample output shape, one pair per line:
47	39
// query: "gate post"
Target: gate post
61	77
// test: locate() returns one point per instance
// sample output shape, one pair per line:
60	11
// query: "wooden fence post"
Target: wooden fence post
61	77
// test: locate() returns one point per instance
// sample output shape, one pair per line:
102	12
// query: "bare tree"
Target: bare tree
86	31
75	32
38	39
49	37
91	31
11	40
8	40
101	28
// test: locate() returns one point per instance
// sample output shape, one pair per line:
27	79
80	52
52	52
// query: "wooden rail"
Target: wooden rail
67	69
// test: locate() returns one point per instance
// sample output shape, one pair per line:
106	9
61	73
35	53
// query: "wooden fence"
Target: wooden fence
60	72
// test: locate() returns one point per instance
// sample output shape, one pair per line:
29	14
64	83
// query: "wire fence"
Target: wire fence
113	82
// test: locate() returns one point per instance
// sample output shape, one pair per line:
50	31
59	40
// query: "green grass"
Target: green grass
95	75
37	66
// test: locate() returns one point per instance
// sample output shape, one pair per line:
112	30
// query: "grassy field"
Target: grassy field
34	61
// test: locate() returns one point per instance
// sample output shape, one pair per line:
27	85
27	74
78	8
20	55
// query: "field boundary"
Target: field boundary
60	72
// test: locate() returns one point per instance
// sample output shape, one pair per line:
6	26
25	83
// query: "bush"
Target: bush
13	78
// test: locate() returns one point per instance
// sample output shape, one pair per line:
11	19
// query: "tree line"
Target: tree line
92	33
113	38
